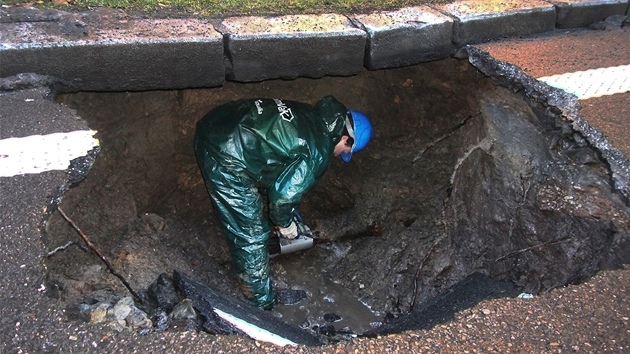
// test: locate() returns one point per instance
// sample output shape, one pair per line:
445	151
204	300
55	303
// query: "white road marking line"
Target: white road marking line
592	83
254	331
41	153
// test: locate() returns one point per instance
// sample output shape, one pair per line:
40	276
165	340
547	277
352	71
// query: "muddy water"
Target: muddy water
303	271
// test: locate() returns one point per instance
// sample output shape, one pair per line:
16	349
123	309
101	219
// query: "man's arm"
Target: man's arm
288	190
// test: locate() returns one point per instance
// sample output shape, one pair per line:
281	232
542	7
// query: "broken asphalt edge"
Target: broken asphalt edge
512	76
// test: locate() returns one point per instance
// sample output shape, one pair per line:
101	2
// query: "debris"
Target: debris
138	319
122	309
184	310
96	313
331	317
244	318
163	293
290	296
124	314
98	253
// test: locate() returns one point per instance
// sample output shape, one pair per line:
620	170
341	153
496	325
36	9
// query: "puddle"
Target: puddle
306	271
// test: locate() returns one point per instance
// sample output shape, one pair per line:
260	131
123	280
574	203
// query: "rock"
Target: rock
290	296
118	325
96	313
163	292
122	309
162	321
138	319
184	317
184	310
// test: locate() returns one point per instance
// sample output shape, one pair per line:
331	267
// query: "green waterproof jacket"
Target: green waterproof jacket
278	147
284	146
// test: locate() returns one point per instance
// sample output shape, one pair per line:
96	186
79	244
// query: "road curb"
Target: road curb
104	50
481	21
406	37
292	46
581	13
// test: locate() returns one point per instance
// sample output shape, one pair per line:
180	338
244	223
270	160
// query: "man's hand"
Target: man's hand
301	226
289	232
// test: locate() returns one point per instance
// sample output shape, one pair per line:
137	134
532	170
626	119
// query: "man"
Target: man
276	147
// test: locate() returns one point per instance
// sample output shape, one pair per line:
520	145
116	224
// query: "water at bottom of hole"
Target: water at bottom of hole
304	271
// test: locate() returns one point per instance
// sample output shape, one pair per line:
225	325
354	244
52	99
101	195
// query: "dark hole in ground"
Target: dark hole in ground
462	176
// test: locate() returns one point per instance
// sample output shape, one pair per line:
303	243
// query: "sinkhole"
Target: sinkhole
463	177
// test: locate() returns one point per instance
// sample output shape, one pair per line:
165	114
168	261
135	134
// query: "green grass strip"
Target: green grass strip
224	8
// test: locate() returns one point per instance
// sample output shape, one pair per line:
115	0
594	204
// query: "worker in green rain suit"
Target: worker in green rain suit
276	147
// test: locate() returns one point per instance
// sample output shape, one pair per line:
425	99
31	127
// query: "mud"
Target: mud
463	176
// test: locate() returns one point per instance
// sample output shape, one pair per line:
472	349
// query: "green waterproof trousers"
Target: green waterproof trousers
246	228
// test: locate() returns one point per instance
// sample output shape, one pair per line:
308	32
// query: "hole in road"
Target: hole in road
462	177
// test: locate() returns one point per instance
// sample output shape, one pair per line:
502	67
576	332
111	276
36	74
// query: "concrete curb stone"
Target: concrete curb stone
479	21
125	54
121	66
405	37
581	13
103	51
292	46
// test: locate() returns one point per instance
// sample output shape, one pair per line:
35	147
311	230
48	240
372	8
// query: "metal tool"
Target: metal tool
280	245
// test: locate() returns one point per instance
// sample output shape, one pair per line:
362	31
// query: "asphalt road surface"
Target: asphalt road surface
592	317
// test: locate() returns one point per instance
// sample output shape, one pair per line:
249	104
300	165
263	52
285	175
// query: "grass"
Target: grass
224	8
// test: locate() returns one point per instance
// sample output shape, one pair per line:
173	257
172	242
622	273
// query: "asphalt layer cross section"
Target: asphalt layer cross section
31	321
590	62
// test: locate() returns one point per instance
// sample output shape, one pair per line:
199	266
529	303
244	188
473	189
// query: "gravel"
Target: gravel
592	317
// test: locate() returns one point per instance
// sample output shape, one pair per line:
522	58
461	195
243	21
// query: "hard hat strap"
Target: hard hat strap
350	130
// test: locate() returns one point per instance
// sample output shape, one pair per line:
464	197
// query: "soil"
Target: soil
459	169
144	202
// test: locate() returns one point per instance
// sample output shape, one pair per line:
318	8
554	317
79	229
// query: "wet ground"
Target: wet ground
326	297
432	200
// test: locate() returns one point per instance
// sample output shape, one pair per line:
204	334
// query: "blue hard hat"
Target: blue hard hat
360	129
